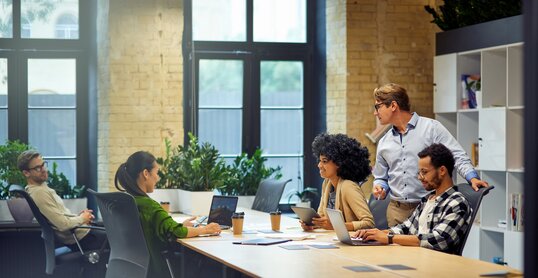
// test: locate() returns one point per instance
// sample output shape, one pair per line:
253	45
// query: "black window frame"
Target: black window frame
19	50
311	53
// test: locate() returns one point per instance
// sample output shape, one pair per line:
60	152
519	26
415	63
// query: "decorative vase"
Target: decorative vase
20	210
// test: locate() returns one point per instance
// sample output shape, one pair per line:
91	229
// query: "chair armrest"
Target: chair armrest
88	227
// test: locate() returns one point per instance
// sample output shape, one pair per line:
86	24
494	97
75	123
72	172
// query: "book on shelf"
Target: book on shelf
470	85
516	212
474	154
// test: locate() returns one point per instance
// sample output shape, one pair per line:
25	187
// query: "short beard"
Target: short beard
434	183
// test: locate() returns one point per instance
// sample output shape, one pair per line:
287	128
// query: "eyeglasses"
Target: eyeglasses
39	168
377	105
422	173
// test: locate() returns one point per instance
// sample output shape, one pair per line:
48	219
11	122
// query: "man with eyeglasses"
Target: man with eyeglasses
396	159
34	168
440	221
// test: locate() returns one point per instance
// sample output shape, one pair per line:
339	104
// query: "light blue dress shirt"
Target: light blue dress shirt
397	158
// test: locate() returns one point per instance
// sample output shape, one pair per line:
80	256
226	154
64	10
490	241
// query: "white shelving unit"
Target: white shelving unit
497	128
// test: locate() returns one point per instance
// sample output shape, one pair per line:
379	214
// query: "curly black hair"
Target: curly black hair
347	153
439	156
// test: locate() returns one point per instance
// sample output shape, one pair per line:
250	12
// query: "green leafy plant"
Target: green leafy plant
9	172
194	167
459	13
245	174
60	184
307	194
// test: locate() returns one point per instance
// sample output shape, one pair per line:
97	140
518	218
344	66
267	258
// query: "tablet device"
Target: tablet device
305	214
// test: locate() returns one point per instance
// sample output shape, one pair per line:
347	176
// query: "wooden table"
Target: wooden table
274	261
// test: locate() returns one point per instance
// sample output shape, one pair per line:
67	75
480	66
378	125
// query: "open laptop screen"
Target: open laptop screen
222	208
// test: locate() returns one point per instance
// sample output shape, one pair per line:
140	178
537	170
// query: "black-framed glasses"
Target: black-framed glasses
376	106
39	168
423	172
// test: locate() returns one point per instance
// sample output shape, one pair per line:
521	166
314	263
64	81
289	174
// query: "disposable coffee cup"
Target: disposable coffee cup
275	220
166	206
237	222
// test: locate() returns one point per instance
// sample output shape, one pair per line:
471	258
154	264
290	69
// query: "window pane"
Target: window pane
282	131
40	19
6	18
3	126
52	132
66	27
68	167
292	168
3	83
281	83
221	128
219	20
280	21
221	83
51	82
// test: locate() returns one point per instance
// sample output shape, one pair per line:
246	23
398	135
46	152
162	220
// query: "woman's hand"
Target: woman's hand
188	222
306	228
211	228
323	222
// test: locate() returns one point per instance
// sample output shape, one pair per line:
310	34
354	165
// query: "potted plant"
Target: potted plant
166	190
244	177
10	174
73	196
196	169
306	196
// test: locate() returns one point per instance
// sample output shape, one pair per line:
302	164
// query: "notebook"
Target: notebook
222	208
337	220
262	241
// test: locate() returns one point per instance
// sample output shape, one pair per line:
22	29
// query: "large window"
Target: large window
248	64
44	69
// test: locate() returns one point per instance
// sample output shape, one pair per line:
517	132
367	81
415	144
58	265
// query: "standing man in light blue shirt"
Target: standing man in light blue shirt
396	166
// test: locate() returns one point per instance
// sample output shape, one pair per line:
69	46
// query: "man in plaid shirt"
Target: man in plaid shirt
441	219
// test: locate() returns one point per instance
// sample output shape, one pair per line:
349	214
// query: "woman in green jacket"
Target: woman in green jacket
138	176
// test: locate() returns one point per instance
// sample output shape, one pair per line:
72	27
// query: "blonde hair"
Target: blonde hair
390	92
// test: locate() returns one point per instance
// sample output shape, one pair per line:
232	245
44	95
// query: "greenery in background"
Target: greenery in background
33	10
60	184
459	13
245	174
285	77
195	167
9	172
308	194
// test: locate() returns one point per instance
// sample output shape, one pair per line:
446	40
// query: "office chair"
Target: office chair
379	211
268	195
56	253
129	254
474	198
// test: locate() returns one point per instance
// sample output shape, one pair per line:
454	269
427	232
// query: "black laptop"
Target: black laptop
222	208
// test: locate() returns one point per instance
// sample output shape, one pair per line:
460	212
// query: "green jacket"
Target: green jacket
158	228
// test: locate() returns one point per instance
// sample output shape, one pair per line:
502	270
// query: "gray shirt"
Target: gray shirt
396	165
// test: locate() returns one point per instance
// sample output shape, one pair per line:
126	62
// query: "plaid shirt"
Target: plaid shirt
450	221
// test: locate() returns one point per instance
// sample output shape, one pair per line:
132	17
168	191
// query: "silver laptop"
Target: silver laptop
337	220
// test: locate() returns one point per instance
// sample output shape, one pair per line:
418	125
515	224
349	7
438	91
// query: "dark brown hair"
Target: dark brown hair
390	92
23	161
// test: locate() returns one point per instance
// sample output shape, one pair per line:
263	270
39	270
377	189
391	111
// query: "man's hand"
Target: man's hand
323	222
476	183
87	216
373	234
379	192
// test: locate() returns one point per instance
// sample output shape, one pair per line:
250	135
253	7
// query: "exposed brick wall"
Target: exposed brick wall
386	41
140	80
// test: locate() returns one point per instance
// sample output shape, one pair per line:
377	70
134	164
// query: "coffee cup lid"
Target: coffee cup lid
275	213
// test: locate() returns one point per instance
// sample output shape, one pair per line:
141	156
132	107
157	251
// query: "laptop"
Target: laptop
337	220
222	208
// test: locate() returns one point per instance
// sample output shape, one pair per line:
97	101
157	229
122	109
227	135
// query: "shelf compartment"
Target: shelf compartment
494	77
494	207
515	75
514	140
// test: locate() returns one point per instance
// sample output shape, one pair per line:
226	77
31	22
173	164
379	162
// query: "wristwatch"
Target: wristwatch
390	235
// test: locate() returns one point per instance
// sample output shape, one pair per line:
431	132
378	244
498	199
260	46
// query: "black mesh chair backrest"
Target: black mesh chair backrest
378	208
474	198
47	233
129	255
268	195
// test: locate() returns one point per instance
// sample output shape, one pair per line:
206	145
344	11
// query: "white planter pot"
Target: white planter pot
76	205
245	201
5	215
195	202
303	204
167	195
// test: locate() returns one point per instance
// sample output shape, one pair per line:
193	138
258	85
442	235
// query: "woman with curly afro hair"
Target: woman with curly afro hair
344	164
